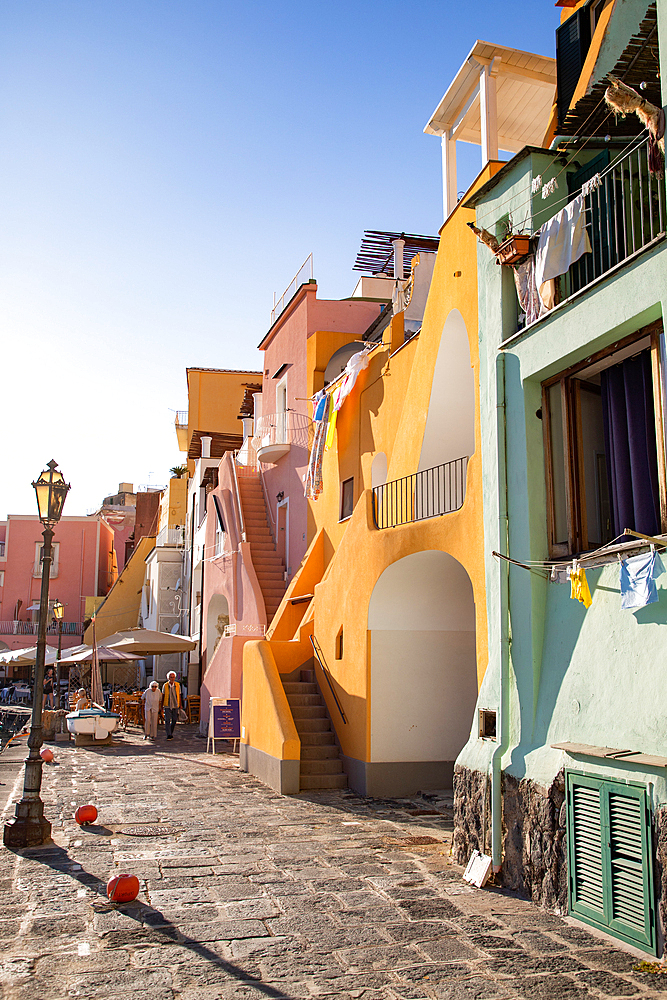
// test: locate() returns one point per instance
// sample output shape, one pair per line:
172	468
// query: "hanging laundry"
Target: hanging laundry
638	580
579	585
549	187
526	289
536	184
314	481
331	429
357	363
591	185
563	240
319	404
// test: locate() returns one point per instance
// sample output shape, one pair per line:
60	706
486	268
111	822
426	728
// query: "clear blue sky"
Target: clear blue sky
165	167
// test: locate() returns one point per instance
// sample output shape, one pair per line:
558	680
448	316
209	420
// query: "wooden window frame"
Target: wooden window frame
575	503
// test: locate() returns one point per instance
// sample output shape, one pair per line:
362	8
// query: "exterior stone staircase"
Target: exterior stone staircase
269	567
321	766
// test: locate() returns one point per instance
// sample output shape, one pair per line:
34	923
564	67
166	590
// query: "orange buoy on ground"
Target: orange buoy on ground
46	753
85	815
123	888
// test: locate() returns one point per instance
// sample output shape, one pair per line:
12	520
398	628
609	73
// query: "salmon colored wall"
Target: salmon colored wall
85	554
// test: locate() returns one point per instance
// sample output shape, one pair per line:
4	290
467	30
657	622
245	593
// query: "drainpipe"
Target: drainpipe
502	719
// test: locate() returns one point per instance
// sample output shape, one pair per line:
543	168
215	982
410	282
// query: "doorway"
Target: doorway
282	531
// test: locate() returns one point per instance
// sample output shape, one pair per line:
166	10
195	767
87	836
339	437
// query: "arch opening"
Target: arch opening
423	686
217	616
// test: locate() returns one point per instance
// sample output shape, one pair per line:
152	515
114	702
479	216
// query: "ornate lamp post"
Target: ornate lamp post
29	826
58	615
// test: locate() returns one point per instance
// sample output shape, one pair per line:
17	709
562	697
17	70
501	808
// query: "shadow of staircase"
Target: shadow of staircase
321	765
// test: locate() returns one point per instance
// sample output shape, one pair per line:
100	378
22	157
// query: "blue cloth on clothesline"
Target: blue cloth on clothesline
320	403
638	581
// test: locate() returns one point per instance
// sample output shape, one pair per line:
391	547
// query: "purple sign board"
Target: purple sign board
227	720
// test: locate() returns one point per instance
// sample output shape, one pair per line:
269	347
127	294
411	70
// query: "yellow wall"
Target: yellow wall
386	412
214	400
123	602
173	505
266	719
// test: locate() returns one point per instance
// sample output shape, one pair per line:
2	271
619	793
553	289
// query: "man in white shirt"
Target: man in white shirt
152	699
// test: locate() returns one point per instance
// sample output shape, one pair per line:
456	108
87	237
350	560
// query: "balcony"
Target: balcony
304	274
430	493
275	433
181	425
624	216
32	628
171	536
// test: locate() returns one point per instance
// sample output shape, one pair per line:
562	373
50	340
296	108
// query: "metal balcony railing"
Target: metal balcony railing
171	536
287	427
623	216
430	493
181	419
31	628
304	274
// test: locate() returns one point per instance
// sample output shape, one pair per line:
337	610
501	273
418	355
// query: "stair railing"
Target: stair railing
272	523
238	498
317	649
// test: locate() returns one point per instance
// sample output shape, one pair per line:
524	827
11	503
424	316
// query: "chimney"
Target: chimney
205	446
398	257
247	427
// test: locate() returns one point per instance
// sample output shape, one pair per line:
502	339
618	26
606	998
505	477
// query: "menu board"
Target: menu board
227	720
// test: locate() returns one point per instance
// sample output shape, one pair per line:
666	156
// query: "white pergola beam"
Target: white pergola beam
449	191
488	113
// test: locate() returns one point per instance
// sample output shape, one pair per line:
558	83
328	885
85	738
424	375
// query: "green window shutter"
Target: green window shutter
585	850
609	857
630	909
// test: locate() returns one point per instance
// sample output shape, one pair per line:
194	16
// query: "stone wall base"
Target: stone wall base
534	826
282	775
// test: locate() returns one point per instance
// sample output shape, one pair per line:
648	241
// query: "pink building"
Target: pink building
83	567
256	513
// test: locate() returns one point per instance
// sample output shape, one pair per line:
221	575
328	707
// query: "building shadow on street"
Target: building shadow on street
150	920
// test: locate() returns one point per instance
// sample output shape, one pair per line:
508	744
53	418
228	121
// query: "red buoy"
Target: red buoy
123	888
85	815
46	753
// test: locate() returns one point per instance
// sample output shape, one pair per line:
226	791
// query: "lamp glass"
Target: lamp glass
58	610
51	490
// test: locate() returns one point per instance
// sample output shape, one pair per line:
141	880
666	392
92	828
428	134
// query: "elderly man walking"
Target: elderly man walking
171	694
152	698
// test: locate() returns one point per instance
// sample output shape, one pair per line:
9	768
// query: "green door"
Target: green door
609	856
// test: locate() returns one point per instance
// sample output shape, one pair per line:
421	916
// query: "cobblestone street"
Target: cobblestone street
248	894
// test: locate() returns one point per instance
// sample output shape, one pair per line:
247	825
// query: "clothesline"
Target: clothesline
637	573
498	207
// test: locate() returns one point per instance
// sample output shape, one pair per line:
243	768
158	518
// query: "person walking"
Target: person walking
152	699
171	694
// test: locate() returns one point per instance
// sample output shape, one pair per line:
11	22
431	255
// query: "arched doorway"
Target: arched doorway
423	685
217	616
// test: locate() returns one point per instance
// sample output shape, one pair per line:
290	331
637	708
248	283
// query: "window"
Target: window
346	499
339	644
39	554
609	858
487	724
603	438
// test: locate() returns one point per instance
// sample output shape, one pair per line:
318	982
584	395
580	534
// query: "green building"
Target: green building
564	778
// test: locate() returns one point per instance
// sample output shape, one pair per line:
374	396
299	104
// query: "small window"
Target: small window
346	499
603	439
339	644
487	724
39	555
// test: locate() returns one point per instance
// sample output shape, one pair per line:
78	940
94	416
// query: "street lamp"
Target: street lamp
58	615
29	826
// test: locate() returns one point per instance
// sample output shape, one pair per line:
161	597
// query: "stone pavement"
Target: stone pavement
249	894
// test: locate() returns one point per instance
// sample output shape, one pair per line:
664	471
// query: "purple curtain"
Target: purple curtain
629	432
